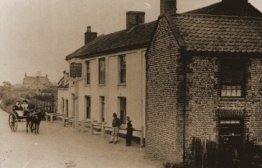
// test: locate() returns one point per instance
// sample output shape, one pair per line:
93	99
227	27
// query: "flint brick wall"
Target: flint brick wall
164	98
254	100
204	99
163	111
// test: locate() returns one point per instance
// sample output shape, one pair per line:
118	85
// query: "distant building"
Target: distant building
204	80
63	94
36	82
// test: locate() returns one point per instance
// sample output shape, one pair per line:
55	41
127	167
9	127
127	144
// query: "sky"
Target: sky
36	35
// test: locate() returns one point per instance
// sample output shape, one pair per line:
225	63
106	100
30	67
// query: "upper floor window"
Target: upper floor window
122	69
232	77
102	71
87	72
75	70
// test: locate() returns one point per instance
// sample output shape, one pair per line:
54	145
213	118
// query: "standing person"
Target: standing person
129	131
116	123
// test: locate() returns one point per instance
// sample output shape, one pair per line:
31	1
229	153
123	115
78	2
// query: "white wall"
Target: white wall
134	90
63	94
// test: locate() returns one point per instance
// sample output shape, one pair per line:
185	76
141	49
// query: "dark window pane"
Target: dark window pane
122	63
102	71
122	109
232	77
88	107
87	72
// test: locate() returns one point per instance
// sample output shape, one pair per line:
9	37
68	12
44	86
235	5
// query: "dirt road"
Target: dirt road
64	147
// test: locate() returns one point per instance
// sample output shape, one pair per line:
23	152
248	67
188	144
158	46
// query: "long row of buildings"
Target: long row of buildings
194	74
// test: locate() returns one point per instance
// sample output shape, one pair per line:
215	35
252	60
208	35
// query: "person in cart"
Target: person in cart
18	109
24	106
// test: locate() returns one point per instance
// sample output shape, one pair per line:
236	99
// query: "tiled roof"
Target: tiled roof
245	9
30	80
218	33
136	37
63	82
140	36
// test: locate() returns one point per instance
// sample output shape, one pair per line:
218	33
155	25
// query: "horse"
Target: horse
33	121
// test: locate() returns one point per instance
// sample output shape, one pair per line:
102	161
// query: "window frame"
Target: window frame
88	107
232	87
122	69
101	74
63	105
102	108
88	76
122	114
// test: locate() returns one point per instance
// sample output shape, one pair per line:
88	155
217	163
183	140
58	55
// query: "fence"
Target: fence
209	154
46	107
204	153
102	128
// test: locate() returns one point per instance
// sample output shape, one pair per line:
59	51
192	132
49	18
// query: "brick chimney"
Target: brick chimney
168	7
134	18
89	35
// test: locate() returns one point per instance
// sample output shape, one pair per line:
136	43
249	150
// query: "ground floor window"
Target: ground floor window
88	107
63	105
67	107
122	107
102	108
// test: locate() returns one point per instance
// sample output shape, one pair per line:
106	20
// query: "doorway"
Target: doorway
231	140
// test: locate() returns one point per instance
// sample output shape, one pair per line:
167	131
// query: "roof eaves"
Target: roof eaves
111	51
224	53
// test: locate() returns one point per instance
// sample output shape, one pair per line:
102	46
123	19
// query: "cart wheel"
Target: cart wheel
12	122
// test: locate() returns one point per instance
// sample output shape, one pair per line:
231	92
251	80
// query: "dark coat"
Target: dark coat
116	122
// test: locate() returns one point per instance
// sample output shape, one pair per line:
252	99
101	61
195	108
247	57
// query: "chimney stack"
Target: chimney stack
168	7
89	35
134	18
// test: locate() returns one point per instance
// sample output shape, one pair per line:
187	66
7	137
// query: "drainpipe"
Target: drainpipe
184	104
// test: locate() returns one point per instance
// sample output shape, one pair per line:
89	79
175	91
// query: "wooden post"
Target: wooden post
46	117
103	129
142	136
91	127
51	117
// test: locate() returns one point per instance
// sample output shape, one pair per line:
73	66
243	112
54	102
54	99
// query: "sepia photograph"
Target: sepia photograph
130	84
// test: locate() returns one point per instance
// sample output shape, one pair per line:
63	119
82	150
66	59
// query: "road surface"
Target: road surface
64	147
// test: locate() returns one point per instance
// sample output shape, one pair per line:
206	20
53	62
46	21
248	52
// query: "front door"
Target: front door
231	139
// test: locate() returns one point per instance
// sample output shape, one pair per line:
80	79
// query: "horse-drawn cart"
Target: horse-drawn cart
14	118
32	120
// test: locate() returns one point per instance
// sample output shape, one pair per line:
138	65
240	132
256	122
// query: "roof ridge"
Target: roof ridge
198	9
218	16
126	30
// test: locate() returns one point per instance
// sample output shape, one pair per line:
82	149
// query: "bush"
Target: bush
9	101
252	155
